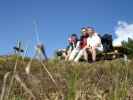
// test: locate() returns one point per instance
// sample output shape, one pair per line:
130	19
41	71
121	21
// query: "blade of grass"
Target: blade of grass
18	79
4	86
12	78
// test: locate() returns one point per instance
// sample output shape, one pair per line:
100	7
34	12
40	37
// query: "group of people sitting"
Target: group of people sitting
89	42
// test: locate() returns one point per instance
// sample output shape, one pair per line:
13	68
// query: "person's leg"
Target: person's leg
85	54
80	54
65	56
73	54
93	54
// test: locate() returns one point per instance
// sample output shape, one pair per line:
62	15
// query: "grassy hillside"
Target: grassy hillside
103	80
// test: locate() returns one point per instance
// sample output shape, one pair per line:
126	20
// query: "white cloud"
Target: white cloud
123	32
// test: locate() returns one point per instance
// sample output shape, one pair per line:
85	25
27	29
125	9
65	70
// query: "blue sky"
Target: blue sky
57	19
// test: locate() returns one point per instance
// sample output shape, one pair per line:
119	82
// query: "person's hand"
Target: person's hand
86	47
89	46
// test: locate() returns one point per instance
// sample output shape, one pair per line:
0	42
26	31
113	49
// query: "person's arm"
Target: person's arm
87	47
98	41
88	44
69	50
78	44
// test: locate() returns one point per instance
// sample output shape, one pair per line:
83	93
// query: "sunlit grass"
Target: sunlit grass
103	80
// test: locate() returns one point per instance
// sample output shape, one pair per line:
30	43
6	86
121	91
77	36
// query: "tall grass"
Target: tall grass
103	80
72	78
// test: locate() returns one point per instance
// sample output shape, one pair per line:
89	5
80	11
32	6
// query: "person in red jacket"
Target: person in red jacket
83	38
78	51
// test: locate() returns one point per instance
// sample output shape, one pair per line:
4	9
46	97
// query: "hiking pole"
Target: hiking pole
40	47
41	50
36	31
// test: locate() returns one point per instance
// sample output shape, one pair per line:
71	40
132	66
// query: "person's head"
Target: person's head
84	31
90	31
73	38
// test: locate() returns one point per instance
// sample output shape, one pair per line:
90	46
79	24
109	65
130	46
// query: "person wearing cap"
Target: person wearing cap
94	43
78	52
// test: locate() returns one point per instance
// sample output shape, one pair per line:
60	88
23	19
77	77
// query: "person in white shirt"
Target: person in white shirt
94	43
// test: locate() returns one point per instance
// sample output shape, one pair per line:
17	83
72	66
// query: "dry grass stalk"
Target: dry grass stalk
28	67
4	86
12	78
18	79
50	75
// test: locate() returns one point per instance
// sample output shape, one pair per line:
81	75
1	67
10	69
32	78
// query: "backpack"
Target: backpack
107	42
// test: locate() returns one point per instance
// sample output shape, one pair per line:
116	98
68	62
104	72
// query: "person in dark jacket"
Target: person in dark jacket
72	40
